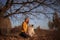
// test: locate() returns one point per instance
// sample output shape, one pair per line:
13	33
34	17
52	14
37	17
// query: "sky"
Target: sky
42	21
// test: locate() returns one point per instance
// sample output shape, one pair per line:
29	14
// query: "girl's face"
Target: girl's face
27	20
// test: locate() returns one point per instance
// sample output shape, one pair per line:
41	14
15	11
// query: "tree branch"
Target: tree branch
16	12
6	7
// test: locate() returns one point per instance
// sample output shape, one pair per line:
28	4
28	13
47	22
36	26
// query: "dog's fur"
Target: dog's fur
31	31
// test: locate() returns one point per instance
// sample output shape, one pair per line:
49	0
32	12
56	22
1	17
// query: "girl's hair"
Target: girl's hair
26	18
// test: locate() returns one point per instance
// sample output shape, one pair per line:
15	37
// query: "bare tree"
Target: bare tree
26	8
55	22
5	22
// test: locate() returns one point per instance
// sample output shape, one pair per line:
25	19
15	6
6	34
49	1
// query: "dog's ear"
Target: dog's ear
32	25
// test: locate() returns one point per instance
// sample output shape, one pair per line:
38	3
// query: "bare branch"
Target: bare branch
16	12
28	2
6	7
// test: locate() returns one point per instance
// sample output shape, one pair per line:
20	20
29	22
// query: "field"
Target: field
41	34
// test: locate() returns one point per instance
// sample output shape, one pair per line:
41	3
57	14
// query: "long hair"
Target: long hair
26	19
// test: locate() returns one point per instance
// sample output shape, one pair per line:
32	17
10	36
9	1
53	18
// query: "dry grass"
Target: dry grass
40	35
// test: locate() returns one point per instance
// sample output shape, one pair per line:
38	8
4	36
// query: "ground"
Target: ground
40	35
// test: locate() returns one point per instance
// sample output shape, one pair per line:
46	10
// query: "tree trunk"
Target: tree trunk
5	25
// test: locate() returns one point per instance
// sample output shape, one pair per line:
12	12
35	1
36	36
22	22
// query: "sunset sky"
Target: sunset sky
41	21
